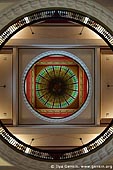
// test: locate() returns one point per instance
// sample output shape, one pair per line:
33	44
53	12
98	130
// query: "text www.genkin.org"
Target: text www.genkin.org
67	166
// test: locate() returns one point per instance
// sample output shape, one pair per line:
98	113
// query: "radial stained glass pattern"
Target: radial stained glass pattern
56	86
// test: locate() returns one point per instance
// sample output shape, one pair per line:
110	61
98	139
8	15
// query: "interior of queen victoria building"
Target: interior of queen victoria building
56	84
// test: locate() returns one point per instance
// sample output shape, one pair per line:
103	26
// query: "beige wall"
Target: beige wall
106	80
6	79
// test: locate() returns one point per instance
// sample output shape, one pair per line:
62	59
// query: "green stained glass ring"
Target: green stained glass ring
56	86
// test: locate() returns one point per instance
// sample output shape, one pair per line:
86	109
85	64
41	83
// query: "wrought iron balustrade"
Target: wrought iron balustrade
43	15
56	155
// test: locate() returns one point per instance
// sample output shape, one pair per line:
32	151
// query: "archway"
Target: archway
59	13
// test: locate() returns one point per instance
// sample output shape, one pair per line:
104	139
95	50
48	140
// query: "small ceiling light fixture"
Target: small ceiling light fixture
31	30
5	113
81	141
4	86
107	114
81	31
28	149
109	85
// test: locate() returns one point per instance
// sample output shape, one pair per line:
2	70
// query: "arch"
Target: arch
30	11
24	161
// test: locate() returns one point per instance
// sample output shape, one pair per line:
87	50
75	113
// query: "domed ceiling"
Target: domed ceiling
55	86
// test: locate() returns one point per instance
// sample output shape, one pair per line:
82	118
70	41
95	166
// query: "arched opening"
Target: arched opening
42	15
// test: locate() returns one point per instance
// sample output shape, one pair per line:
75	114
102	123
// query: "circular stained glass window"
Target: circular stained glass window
56	86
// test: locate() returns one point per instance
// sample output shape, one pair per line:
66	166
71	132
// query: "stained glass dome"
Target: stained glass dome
56	86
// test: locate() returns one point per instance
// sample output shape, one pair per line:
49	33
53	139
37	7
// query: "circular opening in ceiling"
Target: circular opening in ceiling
56	86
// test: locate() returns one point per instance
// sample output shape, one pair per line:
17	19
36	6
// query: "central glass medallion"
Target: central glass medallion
56	86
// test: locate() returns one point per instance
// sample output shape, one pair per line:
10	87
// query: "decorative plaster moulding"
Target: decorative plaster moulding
89	7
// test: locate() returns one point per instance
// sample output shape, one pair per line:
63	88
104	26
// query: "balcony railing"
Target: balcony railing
52	14
56	155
